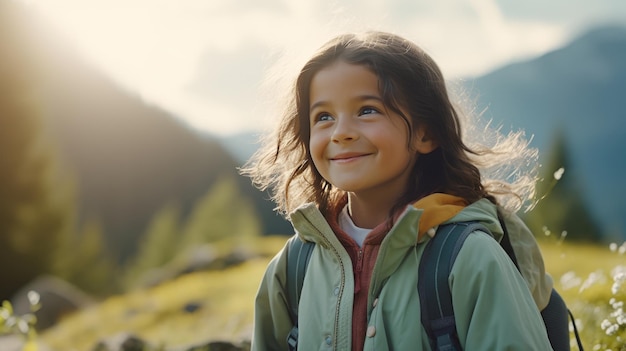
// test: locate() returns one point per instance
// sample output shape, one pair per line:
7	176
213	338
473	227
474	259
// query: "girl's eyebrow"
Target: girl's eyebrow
359	98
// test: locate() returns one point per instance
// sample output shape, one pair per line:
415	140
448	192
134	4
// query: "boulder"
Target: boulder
16	343
122	342
57	298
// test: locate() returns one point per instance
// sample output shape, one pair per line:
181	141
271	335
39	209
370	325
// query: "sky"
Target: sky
219	65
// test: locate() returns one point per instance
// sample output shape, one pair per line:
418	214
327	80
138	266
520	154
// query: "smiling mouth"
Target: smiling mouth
348	158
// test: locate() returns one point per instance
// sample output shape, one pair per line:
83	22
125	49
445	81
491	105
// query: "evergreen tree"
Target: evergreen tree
158	246
221	214
36	202
562	207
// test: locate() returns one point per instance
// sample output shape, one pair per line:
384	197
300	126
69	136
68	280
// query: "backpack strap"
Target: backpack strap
433	288
505	242
298	256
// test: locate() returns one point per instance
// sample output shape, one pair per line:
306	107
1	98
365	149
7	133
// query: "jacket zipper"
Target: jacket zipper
341	288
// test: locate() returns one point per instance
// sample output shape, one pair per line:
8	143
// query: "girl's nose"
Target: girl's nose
345	130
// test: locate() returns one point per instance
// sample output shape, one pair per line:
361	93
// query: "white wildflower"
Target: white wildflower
619	278
612	329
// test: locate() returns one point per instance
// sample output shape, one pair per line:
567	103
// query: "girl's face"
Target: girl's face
356	143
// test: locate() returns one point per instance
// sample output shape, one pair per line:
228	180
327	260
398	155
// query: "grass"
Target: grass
585	276
218	304
194	308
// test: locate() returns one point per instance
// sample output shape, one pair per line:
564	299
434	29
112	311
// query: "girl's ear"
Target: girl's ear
423	143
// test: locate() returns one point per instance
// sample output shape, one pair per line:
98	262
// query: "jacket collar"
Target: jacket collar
409	228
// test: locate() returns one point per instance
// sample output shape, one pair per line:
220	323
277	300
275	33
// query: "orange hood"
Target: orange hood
437	208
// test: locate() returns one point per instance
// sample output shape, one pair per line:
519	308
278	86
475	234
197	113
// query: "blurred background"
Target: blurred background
122	124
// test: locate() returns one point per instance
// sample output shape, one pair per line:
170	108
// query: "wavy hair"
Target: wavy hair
411	81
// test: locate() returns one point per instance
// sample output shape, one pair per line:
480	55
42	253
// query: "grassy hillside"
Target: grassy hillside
218	304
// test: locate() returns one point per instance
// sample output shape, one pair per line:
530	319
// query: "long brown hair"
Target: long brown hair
409	80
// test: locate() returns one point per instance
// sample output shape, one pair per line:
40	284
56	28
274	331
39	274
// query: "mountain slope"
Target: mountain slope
580	88
129	157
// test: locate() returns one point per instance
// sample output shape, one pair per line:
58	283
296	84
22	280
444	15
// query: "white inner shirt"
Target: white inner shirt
348	226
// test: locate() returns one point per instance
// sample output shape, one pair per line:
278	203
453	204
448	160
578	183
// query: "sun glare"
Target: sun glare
159	48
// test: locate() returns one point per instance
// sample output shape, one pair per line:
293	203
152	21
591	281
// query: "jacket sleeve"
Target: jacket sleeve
271	316
494	309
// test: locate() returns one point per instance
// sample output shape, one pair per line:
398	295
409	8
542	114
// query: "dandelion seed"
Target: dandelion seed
559	173
593	278
546	231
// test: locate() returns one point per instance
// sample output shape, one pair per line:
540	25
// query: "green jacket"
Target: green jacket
493	303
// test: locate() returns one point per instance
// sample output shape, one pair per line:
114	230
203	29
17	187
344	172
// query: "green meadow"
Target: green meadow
589	277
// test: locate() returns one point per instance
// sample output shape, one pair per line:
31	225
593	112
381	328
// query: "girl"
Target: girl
368	160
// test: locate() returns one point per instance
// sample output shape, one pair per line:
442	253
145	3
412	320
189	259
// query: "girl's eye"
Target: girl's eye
368	110
322	117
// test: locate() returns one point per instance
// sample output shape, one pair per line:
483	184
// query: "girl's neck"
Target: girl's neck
368	213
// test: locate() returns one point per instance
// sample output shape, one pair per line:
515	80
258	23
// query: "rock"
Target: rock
130	342
57	298
191	307
217	346
16	343
122	342
201	258
11	343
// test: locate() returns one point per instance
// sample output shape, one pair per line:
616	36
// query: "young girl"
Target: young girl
368	161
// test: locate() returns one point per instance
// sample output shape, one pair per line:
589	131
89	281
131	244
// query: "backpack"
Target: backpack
436	304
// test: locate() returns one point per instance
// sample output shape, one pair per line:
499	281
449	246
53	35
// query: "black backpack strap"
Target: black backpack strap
435	296
505	242
298	256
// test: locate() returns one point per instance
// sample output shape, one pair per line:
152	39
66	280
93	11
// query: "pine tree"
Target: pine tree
158	246
562	209
221	214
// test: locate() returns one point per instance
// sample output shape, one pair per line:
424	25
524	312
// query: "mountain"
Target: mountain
580	89
129	157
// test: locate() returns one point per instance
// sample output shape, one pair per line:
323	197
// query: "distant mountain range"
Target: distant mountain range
580	89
